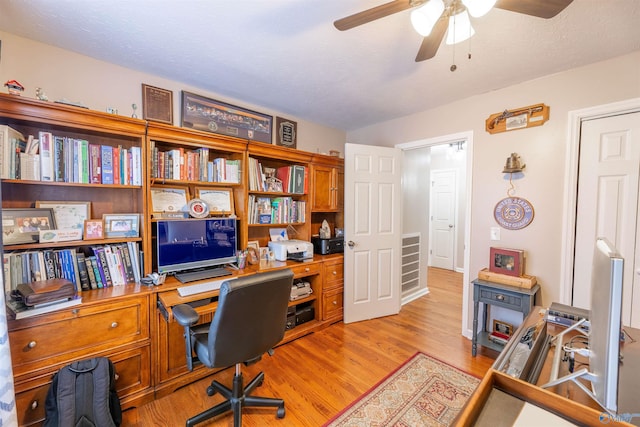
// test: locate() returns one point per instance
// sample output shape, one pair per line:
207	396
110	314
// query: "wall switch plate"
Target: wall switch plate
495	233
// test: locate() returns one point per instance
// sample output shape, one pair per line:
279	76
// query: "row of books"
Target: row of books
276	210
66	159
12	143
53	158
105	266
294	178
193	165
290	179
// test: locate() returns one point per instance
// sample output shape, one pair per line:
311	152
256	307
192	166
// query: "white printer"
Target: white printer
291	249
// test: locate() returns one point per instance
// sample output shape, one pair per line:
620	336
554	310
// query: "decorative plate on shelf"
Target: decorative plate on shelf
198	208
513	213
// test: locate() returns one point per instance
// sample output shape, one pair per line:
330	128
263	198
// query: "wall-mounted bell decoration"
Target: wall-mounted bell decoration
513	164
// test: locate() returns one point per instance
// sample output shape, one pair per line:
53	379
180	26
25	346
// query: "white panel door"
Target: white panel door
373	232
442	218
608	204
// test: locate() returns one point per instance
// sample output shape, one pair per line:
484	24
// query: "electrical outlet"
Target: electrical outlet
495	233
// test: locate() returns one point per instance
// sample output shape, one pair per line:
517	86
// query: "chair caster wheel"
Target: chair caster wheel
280	413
211	391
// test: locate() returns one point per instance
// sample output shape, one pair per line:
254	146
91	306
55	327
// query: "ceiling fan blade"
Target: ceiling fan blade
431	43
541	8
372	14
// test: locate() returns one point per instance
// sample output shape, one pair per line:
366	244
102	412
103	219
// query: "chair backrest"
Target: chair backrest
250	318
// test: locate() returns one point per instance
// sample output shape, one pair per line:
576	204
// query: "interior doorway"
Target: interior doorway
419	160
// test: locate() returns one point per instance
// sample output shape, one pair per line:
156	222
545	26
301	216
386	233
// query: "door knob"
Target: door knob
450	225
351	244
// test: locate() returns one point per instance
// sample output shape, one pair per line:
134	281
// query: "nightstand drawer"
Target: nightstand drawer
501	298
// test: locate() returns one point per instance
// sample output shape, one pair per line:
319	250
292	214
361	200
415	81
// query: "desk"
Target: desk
510	297
566	400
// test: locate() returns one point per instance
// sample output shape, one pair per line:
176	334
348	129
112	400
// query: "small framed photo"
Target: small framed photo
24	225
264	253
219	200
68	215
506	261
93	229
121	225
502	327
157	104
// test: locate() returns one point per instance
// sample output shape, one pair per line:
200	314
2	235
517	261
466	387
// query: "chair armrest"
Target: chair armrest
185	315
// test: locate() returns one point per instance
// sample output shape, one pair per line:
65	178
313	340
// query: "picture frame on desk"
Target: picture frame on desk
21	226
210	115
121	225
506	261
68	215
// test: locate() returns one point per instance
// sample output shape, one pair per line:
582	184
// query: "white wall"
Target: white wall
97	84
543	149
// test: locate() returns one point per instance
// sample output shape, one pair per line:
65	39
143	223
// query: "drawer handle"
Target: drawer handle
500	297
306	270
114	325
34	405
334	273
335	302
32	344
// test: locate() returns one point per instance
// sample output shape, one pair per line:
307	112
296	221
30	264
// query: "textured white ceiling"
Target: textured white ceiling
287	56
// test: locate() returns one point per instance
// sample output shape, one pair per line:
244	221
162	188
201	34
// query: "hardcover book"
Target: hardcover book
107	164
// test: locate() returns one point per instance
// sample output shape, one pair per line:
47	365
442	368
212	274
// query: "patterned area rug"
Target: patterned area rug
421	392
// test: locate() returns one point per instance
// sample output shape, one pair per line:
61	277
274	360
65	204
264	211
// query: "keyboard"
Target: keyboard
210	273
198	288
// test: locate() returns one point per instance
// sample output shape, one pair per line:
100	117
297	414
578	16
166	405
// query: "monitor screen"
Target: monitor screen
605	319
195	243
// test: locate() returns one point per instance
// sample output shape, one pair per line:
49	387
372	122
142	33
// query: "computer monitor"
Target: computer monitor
191	244
605	327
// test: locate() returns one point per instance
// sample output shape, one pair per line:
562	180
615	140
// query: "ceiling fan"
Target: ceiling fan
432	18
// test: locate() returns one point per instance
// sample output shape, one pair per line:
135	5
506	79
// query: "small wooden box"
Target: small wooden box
524	281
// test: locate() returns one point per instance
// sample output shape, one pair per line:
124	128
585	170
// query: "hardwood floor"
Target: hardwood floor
320	374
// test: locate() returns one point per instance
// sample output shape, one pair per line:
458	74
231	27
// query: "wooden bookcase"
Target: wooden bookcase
131	324
111	322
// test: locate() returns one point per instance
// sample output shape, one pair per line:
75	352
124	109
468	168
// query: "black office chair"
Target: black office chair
249	321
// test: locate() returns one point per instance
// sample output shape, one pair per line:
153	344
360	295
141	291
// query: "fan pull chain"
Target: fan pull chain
454	66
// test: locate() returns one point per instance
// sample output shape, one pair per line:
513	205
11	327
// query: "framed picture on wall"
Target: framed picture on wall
214	116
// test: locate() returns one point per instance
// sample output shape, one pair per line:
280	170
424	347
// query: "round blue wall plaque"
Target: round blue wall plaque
513	213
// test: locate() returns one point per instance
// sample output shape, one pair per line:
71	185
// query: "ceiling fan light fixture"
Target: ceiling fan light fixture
425	17
460	28
478	8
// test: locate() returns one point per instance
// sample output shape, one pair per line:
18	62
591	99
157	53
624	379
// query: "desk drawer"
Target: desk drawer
505	299
70	335
133	375
306	269
333	304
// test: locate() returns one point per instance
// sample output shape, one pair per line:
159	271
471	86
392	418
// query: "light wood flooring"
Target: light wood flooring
320	374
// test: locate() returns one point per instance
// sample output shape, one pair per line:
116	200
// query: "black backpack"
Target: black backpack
83	394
